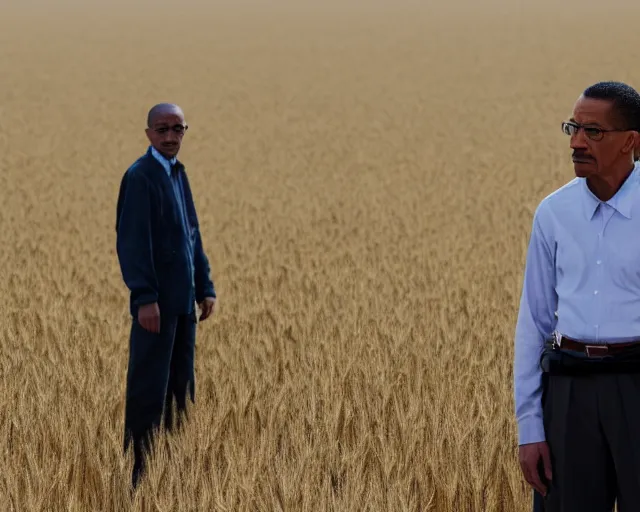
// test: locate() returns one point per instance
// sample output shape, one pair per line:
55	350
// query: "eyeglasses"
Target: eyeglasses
178	128
569	128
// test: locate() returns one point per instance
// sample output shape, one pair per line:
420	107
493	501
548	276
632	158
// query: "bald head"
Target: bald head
162	109
165	128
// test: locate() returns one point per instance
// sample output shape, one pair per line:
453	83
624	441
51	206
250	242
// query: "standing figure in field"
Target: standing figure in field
577	373
167	272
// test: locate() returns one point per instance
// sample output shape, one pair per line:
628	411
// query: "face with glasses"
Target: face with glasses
166	132
598	138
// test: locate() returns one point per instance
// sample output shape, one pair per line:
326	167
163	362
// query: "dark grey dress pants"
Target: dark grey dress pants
592	425
161	370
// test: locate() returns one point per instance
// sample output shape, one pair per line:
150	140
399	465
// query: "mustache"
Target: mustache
169	144
581	155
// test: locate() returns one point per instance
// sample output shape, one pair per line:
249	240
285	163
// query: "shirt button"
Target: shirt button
598	262
595	292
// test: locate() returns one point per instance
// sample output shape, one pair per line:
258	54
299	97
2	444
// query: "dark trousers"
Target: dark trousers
592	425
161	370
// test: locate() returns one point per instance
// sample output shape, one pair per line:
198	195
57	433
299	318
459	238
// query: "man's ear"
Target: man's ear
636	145
632	145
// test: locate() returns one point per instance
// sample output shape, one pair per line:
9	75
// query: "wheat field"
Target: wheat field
365	175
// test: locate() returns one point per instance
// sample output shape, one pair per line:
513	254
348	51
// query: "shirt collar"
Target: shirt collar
166	163
622	201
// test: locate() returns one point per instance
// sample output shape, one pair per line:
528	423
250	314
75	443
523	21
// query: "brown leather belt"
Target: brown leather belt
598	350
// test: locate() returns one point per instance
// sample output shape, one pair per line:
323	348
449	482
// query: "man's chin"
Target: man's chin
583	168
170	152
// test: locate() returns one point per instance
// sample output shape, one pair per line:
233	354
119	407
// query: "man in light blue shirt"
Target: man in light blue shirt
167	272
577	399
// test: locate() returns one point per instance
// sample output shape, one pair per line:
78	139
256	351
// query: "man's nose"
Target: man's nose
171	136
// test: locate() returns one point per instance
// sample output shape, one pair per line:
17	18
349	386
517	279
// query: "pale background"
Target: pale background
365	175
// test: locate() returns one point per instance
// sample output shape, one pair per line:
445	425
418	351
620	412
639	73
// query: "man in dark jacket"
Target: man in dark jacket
167	272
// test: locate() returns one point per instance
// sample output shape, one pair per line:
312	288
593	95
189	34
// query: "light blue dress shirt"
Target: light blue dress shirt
582	278
163	160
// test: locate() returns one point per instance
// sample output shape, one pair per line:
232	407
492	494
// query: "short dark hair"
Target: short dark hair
625	99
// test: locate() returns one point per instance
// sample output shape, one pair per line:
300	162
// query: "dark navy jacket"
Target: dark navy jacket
155	249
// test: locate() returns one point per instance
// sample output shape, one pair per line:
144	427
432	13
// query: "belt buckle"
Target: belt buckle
594	350
557	339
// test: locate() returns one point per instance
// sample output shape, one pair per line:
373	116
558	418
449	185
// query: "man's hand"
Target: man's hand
206	307
149	317
530	456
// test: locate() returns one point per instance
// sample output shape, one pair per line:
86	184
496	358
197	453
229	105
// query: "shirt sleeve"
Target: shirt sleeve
134	240
204	283
536	323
